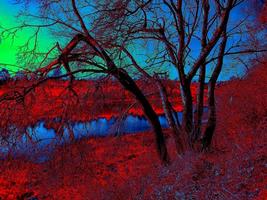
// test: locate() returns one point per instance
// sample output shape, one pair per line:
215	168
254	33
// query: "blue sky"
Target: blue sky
9	48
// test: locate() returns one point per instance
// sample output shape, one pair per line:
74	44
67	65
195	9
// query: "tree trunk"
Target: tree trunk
202	74
169	116
187	99
129	84
211	125
200	104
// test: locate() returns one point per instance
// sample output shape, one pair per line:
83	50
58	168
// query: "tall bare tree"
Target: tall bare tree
192	36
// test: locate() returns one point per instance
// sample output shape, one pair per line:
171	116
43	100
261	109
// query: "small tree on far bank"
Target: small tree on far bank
4	76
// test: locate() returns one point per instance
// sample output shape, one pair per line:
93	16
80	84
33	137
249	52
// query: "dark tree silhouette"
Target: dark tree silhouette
85	52
177	29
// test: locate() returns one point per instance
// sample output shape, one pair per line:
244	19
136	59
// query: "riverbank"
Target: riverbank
127	167
86	101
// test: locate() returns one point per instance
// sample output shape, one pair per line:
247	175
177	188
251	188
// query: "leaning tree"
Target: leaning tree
98	38
81	47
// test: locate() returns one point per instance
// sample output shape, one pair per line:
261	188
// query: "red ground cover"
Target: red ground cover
127	167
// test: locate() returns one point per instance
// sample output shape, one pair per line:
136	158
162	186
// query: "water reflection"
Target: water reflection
36	142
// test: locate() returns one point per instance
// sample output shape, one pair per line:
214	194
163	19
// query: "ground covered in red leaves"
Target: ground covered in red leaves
127	167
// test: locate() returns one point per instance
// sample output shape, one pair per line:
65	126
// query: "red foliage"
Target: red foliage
90	101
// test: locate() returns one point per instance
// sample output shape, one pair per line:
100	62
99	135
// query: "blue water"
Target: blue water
38	141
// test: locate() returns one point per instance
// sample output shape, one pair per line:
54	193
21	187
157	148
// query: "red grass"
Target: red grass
127	167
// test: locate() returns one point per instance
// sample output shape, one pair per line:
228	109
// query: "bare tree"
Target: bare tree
183	27
85	51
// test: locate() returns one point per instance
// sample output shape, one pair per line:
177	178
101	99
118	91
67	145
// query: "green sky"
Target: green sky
9	48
